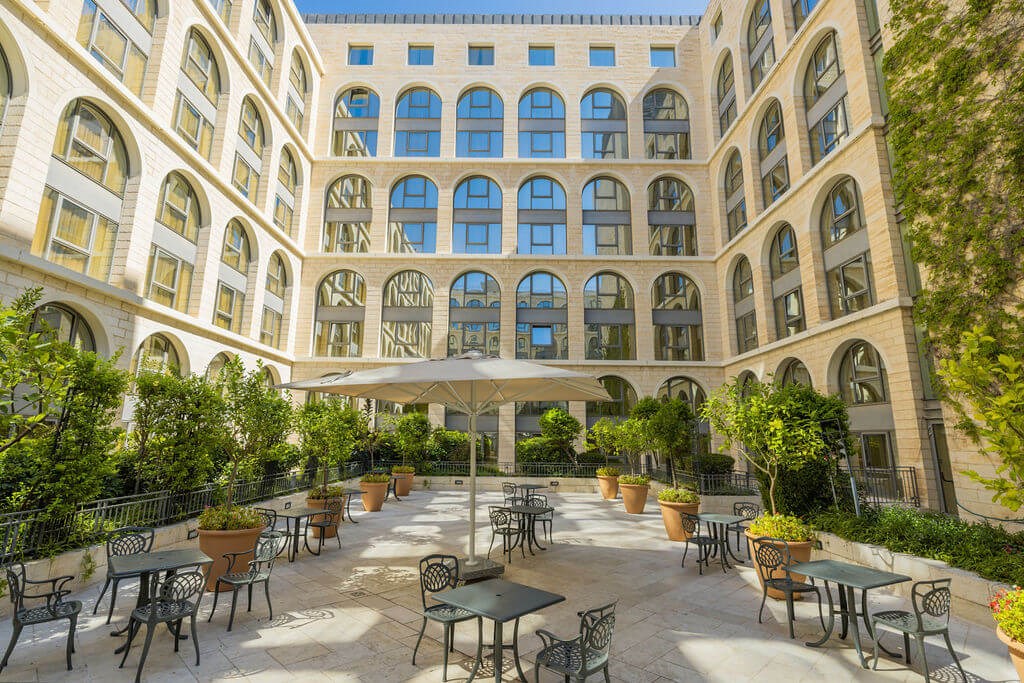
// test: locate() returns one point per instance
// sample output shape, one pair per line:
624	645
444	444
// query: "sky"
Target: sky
520	7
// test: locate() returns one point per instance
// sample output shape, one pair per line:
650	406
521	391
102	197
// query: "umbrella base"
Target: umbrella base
483	569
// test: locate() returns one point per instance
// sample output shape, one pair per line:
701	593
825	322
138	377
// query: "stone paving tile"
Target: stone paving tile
353	615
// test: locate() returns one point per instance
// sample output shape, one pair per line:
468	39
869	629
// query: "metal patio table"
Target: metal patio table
144	565
848	578
528	523
720	532
500	601
393	488
349	495
531	487
297	514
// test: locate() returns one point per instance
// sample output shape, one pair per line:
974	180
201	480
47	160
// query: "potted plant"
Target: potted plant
797	535
634	489
375	489
328	430
318	497
673	502
255	419
405	474
608	481
1008	611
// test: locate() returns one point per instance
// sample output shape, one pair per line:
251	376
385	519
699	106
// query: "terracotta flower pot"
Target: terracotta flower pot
216	543
800	552
403	485
670	515
609	486
634	497
322	503
373	495
1016	649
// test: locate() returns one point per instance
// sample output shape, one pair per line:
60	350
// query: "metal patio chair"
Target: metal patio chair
749	512
773	559
547	519
269	517
440	573
128	540
705	543
20	589
269	545
510	491
505	525
330	518
577	658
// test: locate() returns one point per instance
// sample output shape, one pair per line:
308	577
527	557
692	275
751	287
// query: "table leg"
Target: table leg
479	648
844	612
295	541
498	644
348	508
831	624
854	629
139	602
515	651
533	533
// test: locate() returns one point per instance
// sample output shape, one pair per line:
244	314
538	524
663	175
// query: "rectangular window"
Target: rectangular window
789	314
609	341
355	143
78	238
223	9
828	132
602	56
663	57
609	240
270	328
477	238
542	144
481	55
746	332
673	240
716	26
678	342
421	55
110	47
542	55
541	240
245	179
294	112
541	335
877	454
775	182
604	145
283	215
260	62
191	125
850	287
737	219
415	143
478	144
170	280
228	311
667	145
360	55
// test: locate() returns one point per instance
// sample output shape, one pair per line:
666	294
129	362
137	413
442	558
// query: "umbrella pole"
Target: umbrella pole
472	489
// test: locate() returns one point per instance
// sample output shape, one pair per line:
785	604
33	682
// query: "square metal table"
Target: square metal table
144	565
297	514
499	601
848	577
530	488
720	532
528	515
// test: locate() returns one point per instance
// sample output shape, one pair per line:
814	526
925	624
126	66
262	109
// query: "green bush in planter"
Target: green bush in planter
678	495
319	493
608	471
229	518
374	478
784	527
403	469
635	479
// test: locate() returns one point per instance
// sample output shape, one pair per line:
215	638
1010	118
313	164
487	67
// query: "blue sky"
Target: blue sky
527	7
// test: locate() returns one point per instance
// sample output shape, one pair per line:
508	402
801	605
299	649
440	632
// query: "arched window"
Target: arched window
476	226
760	46
157	354
801	9
65	324
825	99
171	261
726	95
262	40
249	157
6	85
541	125
787	290
735	196
408	309
847	254
677	317
685	389
666	125
412	223
236	257
541	217
606	218
474	314
356	118
287	187
418	124
195	111
623	398
80	221
217	365
671	218
862	376
340	312
771	147
273	302
542	317
608	317
119	38
603	126
479	126
223	10
795	372
743	301
298	87
348	215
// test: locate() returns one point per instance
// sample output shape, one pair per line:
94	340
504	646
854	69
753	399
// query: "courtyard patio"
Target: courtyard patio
353	614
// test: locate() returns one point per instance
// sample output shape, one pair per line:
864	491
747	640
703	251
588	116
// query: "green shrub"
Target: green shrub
635	479
678	495
229	518
715	463
806	491
320	493
1008	611
608	471
448	445
403	469
785	527
539	449
374	478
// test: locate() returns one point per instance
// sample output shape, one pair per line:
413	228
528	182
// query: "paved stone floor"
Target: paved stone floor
352	614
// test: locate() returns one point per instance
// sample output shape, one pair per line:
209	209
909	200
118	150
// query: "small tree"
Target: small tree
989	383
603	436
633	441
412	432
772	424
561	431
672	428
328	430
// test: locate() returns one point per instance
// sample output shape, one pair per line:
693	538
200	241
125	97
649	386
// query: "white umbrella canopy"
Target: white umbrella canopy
472	383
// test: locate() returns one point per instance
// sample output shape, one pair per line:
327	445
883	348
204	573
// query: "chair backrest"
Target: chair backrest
748	511
931	598
536	500
178	588
508	489
332	509
130	540
691	523
437	573
269	517
501	518
9	532
269	545
770	556
15	572
596	628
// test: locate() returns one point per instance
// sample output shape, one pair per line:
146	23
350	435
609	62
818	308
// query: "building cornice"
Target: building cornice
535	19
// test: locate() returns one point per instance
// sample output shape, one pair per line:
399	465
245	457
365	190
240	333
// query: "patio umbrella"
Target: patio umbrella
472	383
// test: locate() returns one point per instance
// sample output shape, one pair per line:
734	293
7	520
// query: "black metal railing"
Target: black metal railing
886	485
